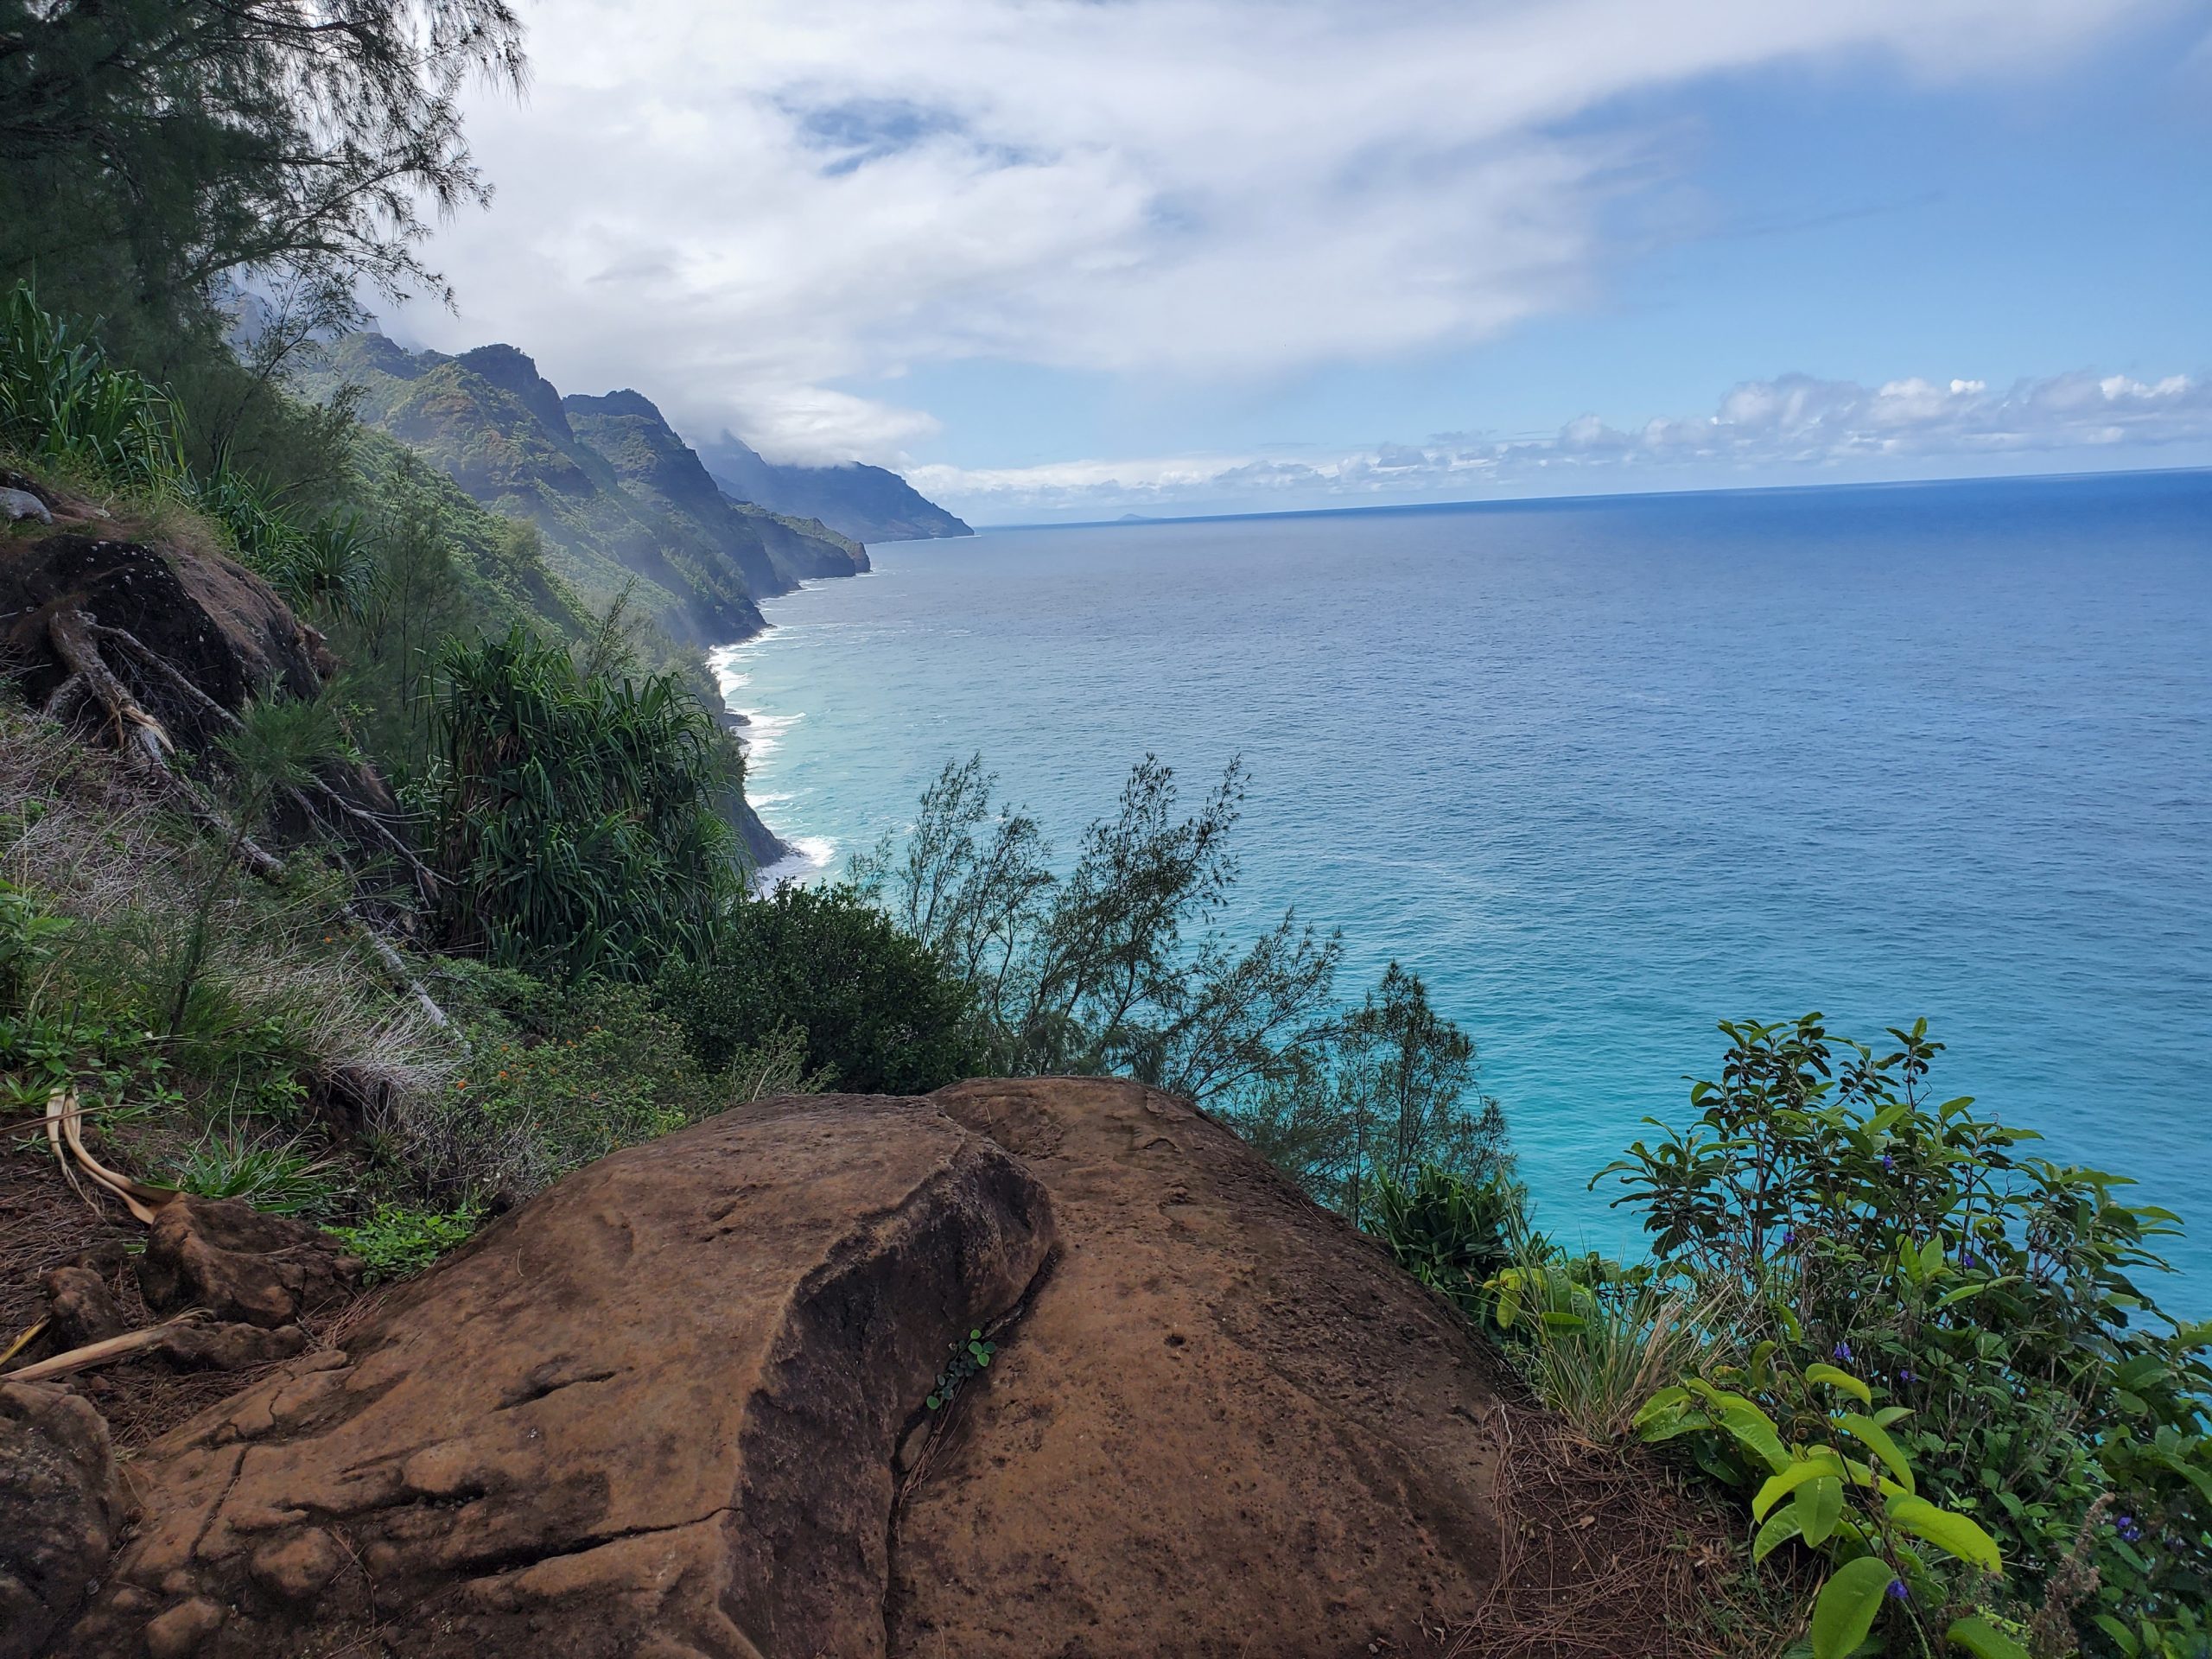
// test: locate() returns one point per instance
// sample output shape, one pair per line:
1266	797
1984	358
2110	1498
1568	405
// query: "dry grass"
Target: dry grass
1605	1554
97	848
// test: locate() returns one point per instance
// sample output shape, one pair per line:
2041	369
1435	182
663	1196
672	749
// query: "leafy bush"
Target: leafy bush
397	1242
1846	1490
27	936
556	1078
61	401
878	1011
1994	1298
575	829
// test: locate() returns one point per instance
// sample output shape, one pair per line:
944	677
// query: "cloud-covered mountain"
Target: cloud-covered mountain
867	503
622	500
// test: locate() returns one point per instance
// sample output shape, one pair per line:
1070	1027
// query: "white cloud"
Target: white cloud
738	206
1792	428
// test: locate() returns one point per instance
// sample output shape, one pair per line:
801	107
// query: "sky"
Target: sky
1068	259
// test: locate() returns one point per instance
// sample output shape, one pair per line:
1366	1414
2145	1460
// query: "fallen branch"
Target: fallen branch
100	1353
63	1115
24	1341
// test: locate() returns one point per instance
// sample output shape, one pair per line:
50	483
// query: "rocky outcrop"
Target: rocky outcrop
240	1263
60	1503
210	619
654	1412
679	1407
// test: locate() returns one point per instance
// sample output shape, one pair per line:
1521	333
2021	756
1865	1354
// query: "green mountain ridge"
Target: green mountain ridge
623	503
869	503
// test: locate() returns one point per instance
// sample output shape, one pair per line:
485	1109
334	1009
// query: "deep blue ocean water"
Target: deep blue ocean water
1607	771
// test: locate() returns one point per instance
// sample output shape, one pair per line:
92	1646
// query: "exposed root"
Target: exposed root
77	638
64	1118
73	636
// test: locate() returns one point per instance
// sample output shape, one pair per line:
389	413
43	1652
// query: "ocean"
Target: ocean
1605	772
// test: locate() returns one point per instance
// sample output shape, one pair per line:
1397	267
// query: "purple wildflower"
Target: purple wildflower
1908	1376
2127	1526
1888	1162
1788	1235
1840	1353
1897	1591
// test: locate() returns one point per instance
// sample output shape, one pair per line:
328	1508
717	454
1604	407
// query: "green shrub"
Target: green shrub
27	936
879	1012
61	401
575	830
1996	1298
1845	1489
556	1078
398	1241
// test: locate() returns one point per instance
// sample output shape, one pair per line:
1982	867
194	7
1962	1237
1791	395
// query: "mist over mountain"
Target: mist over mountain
867	503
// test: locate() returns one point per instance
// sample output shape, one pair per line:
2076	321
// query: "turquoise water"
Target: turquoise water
1605	772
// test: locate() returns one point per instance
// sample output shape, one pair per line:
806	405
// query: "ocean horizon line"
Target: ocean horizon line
1588	498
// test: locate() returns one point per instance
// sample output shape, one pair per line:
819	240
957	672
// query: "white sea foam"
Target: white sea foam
811	856
763	733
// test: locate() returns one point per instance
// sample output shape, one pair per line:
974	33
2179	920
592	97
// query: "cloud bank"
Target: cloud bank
750	209
1793	428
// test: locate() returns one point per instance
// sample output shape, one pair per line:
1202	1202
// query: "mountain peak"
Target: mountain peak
513	370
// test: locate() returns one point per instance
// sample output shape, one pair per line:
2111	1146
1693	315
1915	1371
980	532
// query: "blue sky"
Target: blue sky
1064	260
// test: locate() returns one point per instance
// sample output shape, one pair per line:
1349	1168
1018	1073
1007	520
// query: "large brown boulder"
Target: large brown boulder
58	1506
1226	1425
654	1412
211	618
676	1408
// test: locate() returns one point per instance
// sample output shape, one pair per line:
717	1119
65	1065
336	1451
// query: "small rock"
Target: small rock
21	504
240	1264
230	1347
297	1568
60	1504
183	1628
83	1309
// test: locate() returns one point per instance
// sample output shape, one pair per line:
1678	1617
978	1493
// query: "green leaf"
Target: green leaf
1847	1604
1890	1415
1982	1639
1782	1526
1835	1378
1819	1506
1876	1440
1819	1462
1948	1530
1966	1290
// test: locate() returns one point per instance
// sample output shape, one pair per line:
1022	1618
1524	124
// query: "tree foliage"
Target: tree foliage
880	1014
1120	965
1382	1094
168	144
